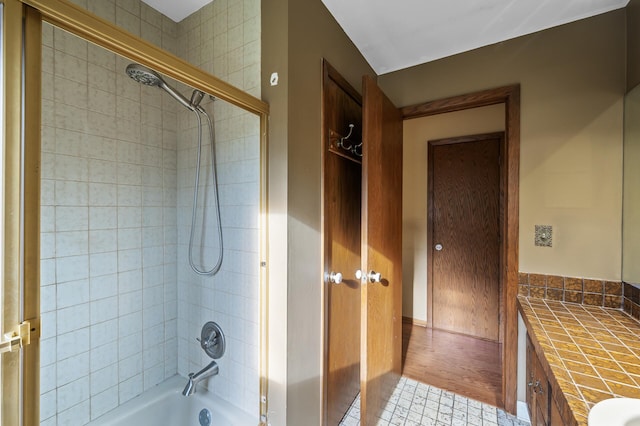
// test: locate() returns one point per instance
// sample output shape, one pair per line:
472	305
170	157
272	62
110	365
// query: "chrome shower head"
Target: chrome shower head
148	77
144	75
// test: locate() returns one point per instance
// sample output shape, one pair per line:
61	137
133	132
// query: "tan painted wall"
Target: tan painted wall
572	81
297	34
631	216
631	203
633	44
417	133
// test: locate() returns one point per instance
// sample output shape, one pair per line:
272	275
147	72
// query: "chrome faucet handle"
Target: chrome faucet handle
212	340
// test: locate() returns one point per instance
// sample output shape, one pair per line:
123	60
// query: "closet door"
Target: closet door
381	272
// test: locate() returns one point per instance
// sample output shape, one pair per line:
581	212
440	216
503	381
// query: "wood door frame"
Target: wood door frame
502	184
510	97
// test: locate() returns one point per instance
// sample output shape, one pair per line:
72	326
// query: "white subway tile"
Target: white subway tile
101	148
153	376
69	44
70	193
72	293
102	102
130	388
129	238
72	343
101	125
72	318
130	324
152	316
129	174
103	240
78	414
130	302
72	243
48	324
103	402
69	93
104	378
130	281
103	286
129	367
103	171
103	194
104	310
48	404
103	217
71	118
129	260
72	368
71	218
98	55
48	298
106	354
72	268
153	344
48	349
48	378
73	68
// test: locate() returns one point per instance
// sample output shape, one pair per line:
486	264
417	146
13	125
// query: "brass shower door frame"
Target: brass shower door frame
21	197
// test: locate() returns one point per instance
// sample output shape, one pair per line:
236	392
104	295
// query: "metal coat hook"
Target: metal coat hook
357	149
343	139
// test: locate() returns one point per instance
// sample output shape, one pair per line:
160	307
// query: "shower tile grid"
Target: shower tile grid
416	404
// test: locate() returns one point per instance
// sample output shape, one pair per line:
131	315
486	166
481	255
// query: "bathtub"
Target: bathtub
164	405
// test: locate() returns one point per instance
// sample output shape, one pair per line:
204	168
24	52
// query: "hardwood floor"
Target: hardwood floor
454	362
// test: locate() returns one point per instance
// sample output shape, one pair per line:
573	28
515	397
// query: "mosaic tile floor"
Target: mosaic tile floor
416	404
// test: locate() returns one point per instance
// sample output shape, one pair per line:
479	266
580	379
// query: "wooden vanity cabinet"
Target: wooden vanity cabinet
543	410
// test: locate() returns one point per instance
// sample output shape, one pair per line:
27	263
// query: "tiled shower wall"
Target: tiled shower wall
226	43
110	209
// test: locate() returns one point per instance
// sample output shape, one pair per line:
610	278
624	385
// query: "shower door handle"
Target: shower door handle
14	341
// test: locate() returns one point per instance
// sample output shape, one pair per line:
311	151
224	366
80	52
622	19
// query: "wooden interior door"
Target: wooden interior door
342	175
464	203
381	304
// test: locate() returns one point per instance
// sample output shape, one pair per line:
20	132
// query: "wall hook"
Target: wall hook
343	139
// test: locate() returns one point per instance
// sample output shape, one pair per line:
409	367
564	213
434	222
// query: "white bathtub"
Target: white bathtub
164	405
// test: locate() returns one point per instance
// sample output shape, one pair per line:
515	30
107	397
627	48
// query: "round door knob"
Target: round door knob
335	277
361	275
374	277
438	247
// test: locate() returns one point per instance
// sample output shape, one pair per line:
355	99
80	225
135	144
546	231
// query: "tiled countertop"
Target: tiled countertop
592	353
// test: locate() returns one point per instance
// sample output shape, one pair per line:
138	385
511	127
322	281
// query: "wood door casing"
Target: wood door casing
381	303
464	201
510	96
341	228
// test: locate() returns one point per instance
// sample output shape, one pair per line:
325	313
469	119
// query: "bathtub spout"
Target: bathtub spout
195	378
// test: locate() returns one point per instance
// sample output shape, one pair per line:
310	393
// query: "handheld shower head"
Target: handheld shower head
148	77
144	75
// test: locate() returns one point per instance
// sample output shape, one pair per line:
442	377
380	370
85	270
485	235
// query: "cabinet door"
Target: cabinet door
530	377
555	418
381	302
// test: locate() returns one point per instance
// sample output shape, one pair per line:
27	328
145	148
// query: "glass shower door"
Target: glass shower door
20	32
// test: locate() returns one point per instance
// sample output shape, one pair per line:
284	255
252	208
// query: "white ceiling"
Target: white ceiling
177	9
393	35
396	34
